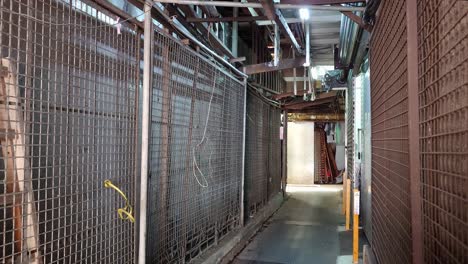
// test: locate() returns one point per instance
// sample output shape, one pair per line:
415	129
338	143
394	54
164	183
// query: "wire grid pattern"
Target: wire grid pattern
263	154
256	154
72	88
318	161
350	130
274	152
391	216
195	154
443	99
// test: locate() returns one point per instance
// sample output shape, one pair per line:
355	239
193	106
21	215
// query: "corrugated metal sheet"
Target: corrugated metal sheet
391	209
443	104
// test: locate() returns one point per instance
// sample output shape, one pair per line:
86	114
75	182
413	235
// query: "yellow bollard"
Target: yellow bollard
356	226
343	204
348	203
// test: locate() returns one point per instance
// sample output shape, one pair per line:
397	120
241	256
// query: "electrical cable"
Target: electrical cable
202	141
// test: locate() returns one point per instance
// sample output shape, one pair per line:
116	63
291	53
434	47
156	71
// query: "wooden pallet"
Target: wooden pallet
19	193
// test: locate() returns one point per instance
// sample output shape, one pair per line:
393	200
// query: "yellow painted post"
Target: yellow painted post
356	226
343	205
348	203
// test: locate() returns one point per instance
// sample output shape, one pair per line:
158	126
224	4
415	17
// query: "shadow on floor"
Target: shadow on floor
307	229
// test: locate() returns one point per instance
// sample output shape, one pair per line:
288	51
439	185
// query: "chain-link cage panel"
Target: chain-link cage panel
263	153
195	153
274	152
443	104
349	130
391	208
256	154
68	87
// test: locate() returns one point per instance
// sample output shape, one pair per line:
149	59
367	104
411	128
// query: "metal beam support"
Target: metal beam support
295	76
235	32
307	45
244	132
145	129
273	14
413	128
276	46
319	2
225	19
154	13
215	42
284	162
259	5
356	19
269	66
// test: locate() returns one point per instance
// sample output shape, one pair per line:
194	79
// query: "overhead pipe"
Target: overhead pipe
259	5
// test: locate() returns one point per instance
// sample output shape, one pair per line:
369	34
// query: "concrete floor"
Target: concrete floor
307	229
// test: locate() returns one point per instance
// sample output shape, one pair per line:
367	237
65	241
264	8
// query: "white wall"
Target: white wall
300	153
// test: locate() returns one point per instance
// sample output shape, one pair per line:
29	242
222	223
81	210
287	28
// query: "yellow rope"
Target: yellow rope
125	213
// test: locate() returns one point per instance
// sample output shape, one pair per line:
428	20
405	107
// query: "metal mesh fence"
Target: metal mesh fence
68	123
391	216
262	154
274	152
195	153
350	130
443	99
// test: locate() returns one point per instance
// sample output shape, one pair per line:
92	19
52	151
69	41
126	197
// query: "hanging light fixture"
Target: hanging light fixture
304	13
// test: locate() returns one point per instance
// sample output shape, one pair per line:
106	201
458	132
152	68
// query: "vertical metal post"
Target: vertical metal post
145	129
235	32
294	74
356	195
285	151
413	128
348	203
307	62
276	46
244	124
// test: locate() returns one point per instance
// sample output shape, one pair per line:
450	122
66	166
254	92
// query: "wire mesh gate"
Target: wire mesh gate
443	104
391	216
443	107
350	130
262	154
68	123
195	153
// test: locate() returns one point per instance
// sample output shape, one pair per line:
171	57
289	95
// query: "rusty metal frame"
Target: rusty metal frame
413	129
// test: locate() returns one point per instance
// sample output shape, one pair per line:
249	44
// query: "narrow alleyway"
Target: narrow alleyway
308	228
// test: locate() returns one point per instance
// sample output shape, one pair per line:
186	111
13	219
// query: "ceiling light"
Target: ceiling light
304	13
